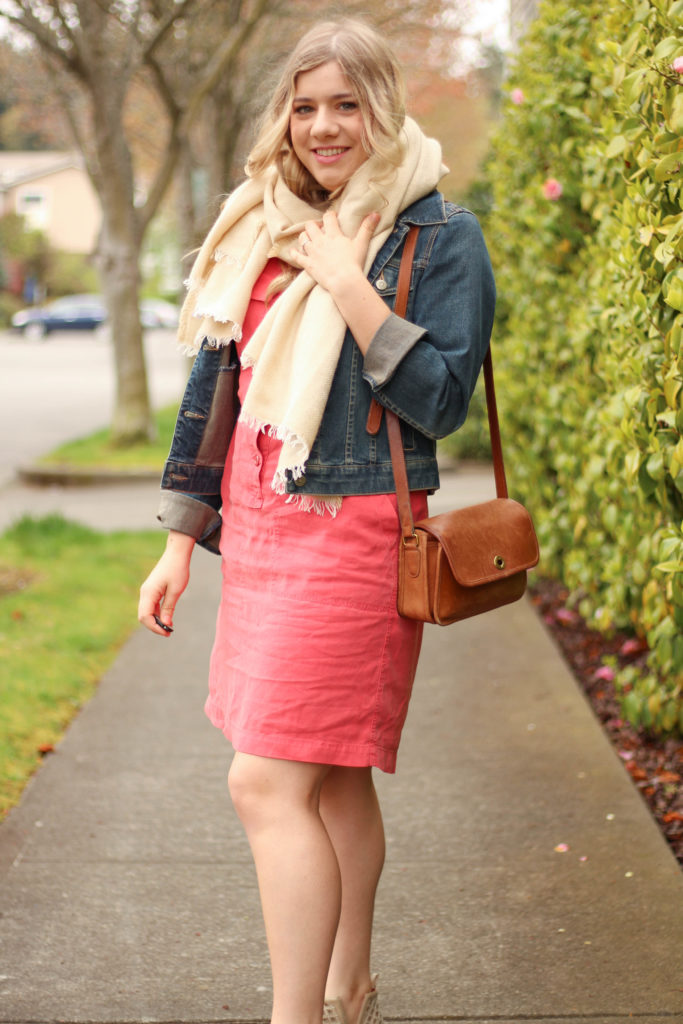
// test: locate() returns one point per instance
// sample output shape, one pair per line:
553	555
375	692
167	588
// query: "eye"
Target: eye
348	105
303	108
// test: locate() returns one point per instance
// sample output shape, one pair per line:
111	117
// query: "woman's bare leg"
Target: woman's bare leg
352	817
298	875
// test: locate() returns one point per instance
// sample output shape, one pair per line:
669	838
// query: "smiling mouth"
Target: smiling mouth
330	151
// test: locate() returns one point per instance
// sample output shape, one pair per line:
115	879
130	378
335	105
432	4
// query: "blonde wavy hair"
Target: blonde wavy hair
377	84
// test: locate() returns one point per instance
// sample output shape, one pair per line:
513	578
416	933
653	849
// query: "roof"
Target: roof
16	168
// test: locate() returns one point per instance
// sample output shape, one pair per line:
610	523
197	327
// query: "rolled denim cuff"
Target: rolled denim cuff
188	515
390	344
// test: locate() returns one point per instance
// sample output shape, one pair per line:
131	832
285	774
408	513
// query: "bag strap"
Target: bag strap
405	512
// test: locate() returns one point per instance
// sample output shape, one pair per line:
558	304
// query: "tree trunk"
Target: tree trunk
118	257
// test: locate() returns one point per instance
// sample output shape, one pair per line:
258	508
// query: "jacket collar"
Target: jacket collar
430	209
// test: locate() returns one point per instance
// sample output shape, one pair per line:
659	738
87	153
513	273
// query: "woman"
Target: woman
312	667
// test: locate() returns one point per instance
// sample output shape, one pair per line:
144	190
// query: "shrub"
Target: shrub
69	273
471	440
27	253
586	233
8	307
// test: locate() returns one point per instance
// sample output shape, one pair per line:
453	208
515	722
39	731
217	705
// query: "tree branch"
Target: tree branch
174	15
162	179
67	106
226	54
165	91
56	6
45	39
222	58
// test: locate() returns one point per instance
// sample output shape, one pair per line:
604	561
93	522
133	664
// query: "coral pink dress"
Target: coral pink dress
311	660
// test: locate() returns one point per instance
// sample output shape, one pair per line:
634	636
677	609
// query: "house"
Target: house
53	192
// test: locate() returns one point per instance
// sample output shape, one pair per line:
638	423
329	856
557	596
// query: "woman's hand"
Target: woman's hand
337	264
331	258
161	590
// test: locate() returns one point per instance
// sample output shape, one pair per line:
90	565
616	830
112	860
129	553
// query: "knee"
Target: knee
264	791
248	790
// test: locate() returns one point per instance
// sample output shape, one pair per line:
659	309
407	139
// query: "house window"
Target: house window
33	205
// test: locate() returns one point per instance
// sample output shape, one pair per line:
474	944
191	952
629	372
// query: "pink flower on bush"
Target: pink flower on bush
552	189
677	64
632	646
517	97
604	674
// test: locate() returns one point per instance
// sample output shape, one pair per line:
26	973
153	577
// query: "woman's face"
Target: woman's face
326	126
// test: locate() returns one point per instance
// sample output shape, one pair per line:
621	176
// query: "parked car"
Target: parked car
86	313
158	313
73	313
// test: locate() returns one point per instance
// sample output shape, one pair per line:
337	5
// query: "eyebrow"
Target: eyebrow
337	96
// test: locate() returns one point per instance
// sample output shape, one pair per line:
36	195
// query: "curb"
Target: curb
74	476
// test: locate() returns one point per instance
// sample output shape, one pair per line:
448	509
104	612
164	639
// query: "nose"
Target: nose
324	123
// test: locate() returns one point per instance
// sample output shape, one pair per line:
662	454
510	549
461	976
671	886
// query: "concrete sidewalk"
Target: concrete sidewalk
128	892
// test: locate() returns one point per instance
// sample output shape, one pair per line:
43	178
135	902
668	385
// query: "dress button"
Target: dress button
300	481
257	460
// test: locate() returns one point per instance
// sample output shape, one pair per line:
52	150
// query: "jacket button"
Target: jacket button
381	285
300	481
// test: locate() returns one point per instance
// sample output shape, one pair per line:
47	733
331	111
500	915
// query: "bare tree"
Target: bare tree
93	50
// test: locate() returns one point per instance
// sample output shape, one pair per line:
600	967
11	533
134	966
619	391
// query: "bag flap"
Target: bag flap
485	542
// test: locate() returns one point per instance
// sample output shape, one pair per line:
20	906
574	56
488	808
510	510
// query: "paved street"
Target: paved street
63	387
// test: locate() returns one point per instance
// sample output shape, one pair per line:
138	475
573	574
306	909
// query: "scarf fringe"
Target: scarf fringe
284	434
304	502
235	330
315	503
212	341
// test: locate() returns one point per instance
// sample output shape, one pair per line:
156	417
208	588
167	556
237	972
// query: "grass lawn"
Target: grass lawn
98	452
68	600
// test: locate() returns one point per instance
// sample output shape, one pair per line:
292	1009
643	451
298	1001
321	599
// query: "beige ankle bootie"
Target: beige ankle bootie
370	1013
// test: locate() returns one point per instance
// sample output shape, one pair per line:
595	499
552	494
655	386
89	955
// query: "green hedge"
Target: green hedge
586	233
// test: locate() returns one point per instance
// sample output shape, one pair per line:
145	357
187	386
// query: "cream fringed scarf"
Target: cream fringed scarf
295	350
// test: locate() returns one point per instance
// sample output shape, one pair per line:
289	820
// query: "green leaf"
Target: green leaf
647	485
632	462
676	117
669	716
632	705
638	572
667	166
632	86
616	146
666	48
672	289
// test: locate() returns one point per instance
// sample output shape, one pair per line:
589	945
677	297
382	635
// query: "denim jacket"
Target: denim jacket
423	367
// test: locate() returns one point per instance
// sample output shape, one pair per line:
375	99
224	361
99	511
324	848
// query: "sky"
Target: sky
490	19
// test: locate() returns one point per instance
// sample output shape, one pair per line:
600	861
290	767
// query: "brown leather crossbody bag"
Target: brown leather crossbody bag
473	559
